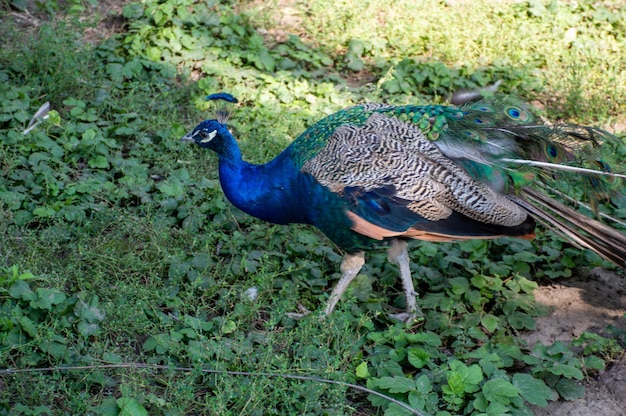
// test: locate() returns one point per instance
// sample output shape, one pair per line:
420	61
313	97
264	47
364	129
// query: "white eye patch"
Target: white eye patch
210	137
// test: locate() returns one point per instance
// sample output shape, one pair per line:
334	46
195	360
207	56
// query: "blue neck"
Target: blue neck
269	191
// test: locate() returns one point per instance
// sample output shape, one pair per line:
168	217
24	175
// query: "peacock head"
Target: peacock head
209	133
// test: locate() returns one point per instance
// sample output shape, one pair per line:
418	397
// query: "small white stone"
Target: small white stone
251	294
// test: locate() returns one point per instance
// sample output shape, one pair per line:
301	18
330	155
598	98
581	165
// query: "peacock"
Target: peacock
377	175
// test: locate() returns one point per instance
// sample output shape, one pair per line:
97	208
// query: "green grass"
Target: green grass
118	246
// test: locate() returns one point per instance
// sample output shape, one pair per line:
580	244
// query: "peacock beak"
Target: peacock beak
187	137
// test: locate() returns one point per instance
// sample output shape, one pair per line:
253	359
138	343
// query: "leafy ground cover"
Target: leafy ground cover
117	245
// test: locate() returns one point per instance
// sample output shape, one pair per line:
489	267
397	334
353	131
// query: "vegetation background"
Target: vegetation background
117	245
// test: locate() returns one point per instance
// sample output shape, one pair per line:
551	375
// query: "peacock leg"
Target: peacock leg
350	266
399	255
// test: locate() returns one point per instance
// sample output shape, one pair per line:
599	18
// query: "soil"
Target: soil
587	303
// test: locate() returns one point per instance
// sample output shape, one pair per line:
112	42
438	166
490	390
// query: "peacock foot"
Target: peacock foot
299	315
407	317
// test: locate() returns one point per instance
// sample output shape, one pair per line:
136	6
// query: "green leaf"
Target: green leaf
13	200
46	298
460	285
22	217
428	338
423	384
361	370
568	371
150	344
497	409
355	63
462	379
21	290
86	329
198	351
471	375
526	257
108	407
526	285
480	402
89	311
74	102
98	162
44	212
37	157
428	249
130	407
115	71
28	326
521	320
54	118
171	188
396	410
229	327
500	390
533	390
490	322
266	60
558	349
570	389
423	395
593	362
196	323
89	136
55	349
396	384
111	357
418	357
479	281
158	17
153	53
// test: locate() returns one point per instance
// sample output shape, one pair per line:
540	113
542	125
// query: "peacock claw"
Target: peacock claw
407	317
303	312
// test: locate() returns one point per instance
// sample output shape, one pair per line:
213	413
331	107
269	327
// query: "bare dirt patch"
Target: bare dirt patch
588	303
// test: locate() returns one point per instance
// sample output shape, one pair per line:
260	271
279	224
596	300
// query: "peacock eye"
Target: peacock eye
206	136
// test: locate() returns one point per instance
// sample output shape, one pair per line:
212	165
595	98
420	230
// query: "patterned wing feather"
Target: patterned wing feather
397	182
